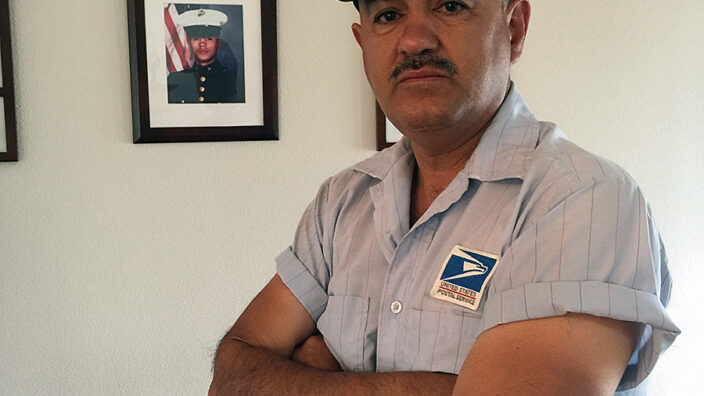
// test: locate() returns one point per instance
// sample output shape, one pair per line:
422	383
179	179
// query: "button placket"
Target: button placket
390	323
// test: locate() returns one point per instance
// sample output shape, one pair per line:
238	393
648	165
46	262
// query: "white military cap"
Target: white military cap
203	22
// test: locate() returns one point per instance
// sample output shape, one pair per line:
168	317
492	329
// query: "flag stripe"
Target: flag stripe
175	39
176	50
169	63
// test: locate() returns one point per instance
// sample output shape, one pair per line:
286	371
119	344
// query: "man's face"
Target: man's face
205	49
434	63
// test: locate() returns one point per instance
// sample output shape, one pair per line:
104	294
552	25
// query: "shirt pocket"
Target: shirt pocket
344	326
435	341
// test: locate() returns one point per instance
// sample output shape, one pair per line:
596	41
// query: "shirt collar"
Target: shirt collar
503	151
507	145
380	164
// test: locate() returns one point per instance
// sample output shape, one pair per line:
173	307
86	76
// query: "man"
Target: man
207	81
482	254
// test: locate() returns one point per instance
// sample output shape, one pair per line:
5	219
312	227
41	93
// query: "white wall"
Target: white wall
122	265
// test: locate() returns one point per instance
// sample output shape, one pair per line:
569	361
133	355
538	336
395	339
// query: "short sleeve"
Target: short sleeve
302	266
595	252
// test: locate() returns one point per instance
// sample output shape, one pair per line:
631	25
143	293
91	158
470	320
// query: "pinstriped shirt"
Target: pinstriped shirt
572	231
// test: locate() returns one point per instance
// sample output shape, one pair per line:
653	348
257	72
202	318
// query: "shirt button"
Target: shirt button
202	89
202	78
396	307
200	99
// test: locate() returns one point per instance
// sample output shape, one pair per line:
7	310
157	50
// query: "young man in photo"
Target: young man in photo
207	81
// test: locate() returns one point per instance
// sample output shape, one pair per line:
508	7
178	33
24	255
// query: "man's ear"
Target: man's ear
517	19
356	30
218	44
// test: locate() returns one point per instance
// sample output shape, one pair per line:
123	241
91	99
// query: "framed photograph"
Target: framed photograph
8	131
386	133
203	70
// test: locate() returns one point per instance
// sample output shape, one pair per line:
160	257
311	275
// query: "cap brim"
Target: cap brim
199	31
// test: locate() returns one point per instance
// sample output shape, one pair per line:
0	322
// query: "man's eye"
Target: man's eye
453	6
386	16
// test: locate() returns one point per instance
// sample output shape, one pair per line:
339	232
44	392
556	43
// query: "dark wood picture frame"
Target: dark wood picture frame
144	132
383	140
7	88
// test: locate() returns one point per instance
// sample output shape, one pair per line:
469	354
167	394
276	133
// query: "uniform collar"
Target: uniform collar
503	151
212	66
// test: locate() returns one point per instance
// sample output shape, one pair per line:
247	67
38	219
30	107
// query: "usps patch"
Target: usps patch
464	276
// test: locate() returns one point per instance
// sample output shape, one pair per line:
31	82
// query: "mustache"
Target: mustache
423	59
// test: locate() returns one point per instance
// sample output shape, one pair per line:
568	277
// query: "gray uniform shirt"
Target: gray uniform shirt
572	231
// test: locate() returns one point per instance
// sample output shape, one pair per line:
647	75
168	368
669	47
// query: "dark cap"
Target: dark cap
356	3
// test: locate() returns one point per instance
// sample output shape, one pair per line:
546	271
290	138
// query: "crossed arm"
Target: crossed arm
255	357
265	352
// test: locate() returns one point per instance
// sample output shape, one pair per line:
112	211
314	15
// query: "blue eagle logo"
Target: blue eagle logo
470	267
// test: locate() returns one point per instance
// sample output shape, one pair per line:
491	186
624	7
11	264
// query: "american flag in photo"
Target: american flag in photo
178	55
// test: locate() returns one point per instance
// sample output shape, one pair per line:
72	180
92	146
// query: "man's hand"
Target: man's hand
314	353
271	349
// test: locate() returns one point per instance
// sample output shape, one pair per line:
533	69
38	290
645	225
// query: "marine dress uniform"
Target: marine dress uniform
203	84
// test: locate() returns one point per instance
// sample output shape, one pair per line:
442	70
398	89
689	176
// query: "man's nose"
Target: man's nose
417	35
202	41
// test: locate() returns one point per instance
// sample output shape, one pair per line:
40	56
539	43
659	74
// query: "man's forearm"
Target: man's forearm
241	369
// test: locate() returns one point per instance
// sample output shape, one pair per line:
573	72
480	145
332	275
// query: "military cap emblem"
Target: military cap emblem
202	22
